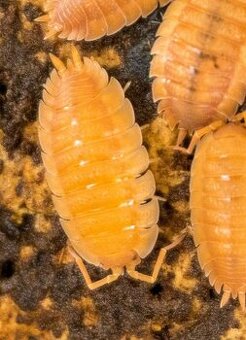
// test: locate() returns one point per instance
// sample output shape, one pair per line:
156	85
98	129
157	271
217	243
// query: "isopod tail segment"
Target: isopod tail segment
132	272
44	19
61	67
92	19
227	294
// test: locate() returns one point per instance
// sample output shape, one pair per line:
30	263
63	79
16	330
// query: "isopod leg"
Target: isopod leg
148	278
198	134
181	136
227	294
165	2
240	116
145	126
43	18
93	285
126	87
50	34
241	296
154	160
152	278
61	255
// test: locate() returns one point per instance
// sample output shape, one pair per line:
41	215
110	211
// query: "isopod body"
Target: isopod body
199	62
96	169
92	19
218	196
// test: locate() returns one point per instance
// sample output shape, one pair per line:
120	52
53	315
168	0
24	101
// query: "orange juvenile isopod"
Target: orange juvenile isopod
93	19
96	168
217	202
199	62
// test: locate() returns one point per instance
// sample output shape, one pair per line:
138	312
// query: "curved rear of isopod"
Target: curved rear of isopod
217	202
92	19
198	63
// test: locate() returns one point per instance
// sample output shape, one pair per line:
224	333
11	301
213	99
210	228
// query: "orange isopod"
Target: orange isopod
218	195
96	168
199	62
93	19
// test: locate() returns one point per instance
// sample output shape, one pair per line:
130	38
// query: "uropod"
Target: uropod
96	168
199	63
93	19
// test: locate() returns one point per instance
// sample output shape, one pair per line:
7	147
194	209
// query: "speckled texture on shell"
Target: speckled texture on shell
199	59
217	202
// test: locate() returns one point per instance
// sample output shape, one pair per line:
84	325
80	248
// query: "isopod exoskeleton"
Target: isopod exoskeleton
218	196
199	62
93	19
96	168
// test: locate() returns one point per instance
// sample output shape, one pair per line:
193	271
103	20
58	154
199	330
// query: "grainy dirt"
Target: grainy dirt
42	297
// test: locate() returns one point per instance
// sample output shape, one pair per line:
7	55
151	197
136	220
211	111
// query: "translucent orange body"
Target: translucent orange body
218	198
96	166
92	19
200	61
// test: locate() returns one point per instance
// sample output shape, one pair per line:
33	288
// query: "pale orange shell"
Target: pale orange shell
200	61
218	199
96	165
92	19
